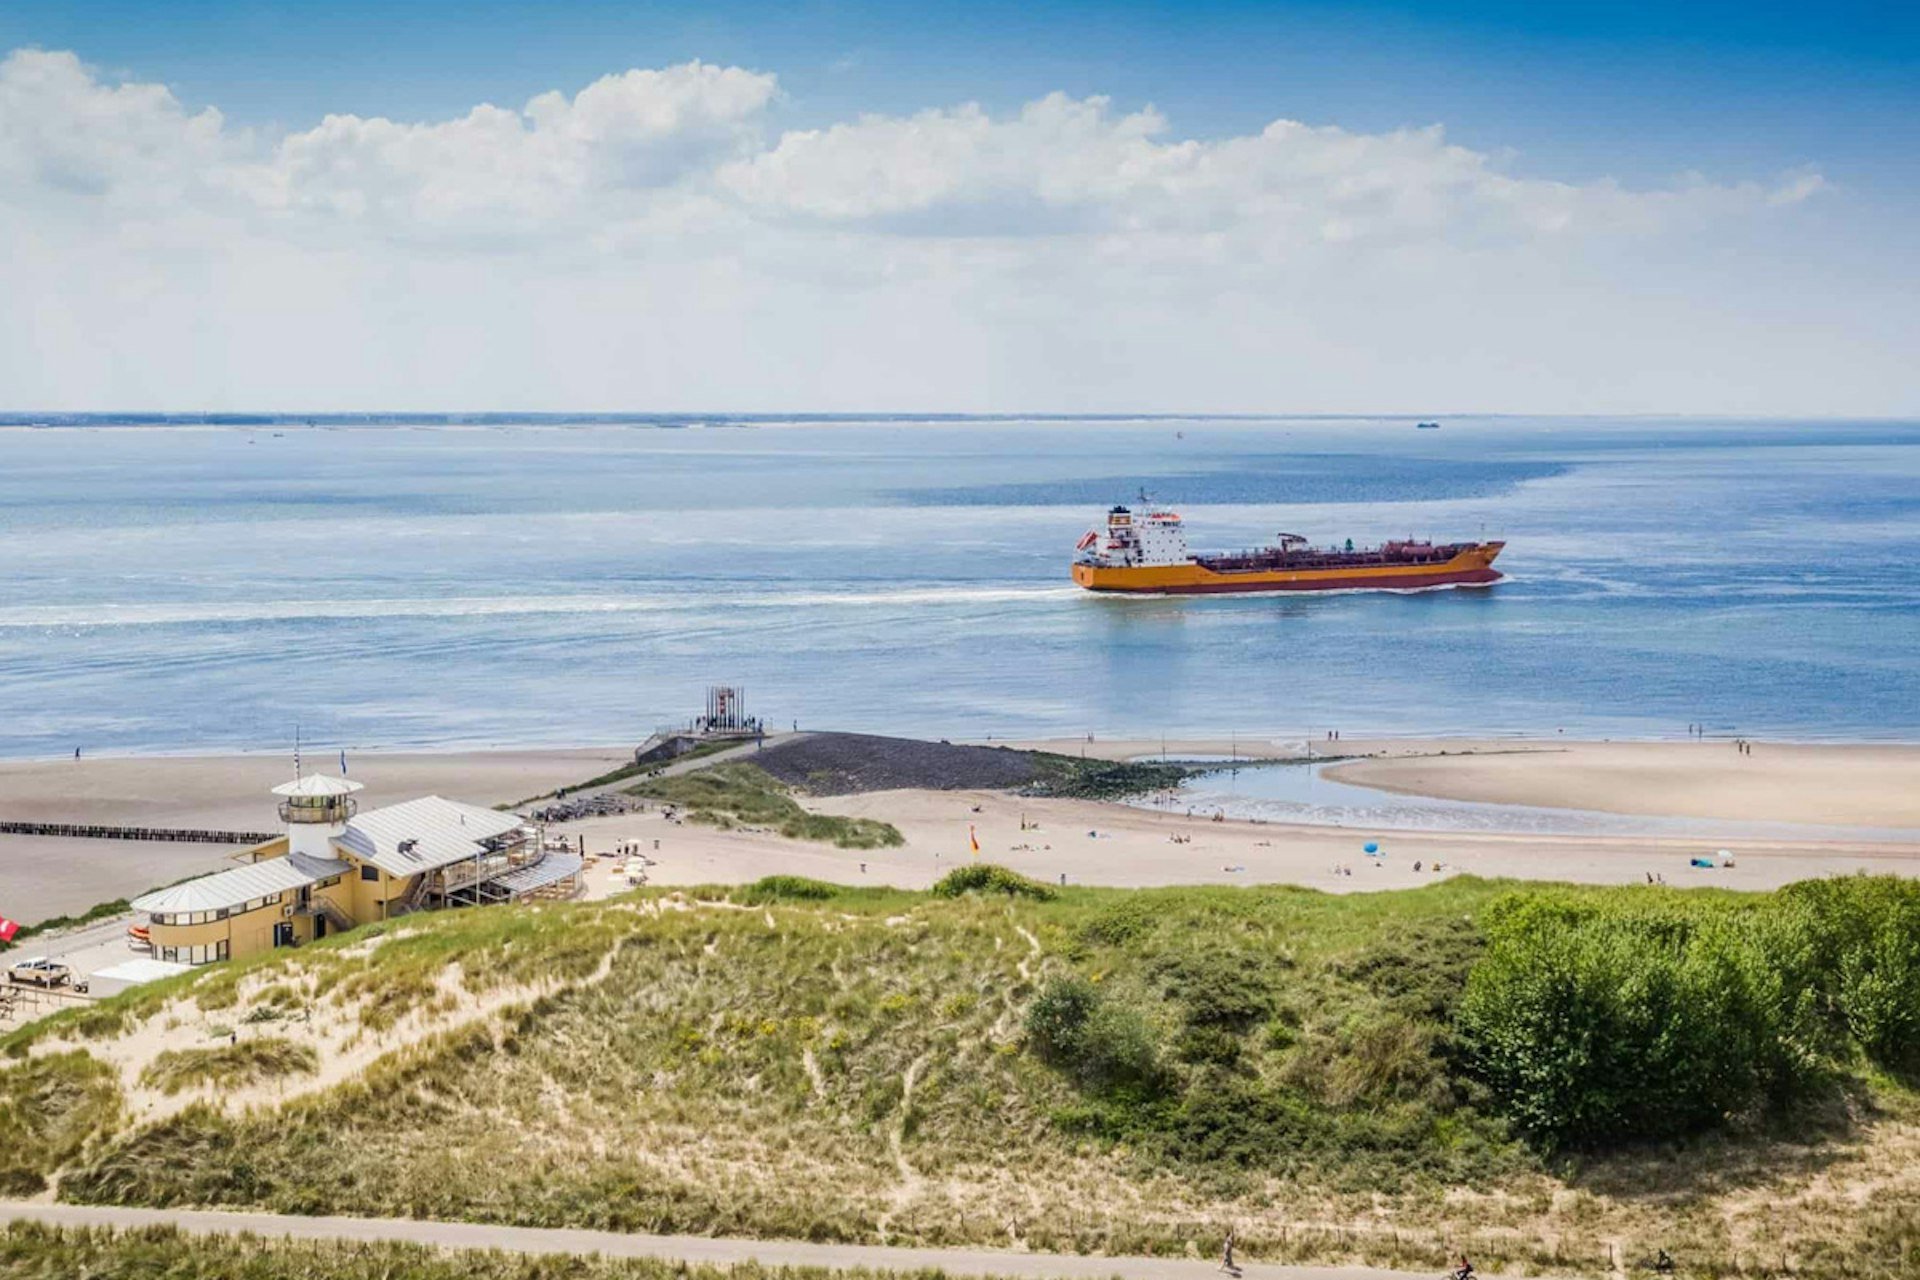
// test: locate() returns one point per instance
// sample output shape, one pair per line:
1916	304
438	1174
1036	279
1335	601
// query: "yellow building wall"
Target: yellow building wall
246	934
253	932
261	852
372	899
342	896
368	895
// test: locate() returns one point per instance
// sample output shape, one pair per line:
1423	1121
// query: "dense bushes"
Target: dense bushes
1104	1044
985	877
790	889
1861	950
1605	1016
1247	1031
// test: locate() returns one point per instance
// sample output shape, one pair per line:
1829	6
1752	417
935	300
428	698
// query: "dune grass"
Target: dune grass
49	1109
31	1251
1076	1070
230	1066
737	795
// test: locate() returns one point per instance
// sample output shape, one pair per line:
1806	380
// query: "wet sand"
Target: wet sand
1871	786
1864	785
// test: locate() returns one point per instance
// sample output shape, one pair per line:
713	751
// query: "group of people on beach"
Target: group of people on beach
1742	745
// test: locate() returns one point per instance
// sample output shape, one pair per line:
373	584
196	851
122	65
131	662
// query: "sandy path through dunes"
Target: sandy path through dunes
696	1250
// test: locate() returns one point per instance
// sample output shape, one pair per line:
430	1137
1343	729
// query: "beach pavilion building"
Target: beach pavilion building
337	868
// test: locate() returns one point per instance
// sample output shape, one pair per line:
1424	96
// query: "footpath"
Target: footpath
691	1250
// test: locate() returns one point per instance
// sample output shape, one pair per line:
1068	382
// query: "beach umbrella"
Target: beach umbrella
1370	847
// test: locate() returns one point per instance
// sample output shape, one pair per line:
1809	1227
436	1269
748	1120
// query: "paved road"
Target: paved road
694	1250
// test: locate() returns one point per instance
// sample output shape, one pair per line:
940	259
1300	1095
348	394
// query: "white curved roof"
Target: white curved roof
240	885
318	785
435	831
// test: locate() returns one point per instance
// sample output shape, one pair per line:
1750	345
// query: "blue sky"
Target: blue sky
1633	89
1691	206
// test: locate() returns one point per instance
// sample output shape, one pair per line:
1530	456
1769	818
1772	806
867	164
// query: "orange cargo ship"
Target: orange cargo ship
1147	552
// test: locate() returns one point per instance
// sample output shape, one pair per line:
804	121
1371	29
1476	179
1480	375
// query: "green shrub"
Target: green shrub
789	889
1224	988
1102	1043
985	877
1859	945
1601	1017
1120	922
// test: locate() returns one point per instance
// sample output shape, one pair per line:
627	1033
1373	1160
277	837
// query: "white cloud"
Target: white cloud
494	168
652	240
68	139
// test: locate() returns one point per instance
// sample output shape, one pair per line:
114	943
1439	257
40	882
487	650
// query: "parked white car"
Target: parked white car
39	972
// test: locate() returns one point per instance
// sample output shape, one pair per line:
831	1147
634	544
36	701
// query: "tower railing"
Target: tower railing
332	809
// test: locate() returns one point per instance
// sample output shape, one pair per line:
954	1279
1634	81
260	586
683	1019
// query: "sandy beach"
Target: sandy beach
1095	843
1851	785
1866	786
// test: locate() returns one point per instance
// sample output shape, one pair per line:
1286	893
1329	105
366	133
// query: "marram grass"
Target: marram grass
1108	1070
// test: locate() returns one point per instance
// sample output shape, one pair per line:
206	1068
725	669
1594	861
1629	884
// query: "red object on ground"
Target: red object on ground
8	928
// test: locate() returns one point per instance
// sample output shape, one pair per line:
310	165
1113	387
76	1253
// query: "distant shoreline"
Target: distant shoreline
1269	746
1867	785
244	420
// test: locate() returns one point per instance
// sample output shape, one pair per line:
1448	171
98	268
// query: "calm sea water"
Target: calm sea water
181	588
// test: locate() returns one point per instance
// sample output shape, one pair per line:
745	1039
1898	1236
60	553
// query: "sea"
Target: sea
173	586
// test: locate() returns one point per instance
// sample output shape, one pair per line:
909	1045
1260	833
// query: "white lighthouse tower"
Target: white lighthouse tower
316	810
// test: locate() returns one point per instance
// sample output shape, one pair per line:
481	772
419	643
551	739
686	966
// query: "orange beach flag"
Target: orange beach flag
973	839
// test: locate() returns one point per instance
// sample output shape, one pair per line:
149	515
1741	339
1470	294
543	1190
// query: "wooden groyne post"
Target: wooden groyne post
95	831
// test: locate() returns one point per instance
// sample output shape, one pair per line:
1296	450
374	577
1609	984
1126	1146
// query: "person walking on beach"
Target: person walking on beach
1226	1253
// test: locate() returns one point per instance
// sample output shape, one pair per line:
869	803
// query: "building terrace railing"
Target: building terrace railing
460	875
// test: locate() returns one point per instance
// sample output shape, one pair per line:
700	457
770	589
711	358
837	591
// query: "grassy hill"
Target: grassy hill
1370	1077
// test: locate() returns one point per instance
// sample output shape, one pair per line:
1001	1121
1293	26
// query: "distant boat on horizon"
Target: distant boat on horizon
1426	426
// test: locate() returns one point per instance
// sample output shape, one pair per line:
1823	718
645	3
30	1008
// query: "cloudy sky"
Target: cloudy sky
1698	208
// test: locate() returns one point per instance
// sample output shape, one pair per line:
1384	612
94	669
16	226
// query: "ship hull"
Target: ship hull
1472	567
